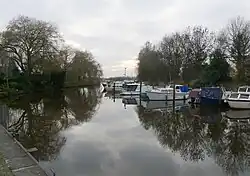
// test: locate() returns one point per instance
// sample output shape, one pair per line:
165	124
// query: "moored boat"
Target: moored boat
239	100
135	89
114	86
194	96
214	95
166	94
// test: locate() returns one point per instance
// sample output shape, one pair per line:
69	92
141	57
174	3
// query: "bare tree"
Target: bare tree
66	55
83	67
197	45
239	45
151	67
29	42
172	53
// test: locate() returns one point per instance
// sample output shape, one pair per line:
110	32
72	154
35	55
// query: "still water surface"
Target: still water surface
80	132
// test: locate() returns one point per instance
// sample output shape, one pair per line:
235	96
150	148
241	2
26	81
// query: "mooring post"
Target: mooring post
140	91
174	98
221	95
114	91
114	88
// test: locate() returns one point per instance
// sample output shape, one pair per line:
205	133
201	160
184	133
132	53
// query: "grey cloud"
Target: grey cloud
85	8
92	158
148	8
213	14
154	30
107	49
62	12
146	160
82	159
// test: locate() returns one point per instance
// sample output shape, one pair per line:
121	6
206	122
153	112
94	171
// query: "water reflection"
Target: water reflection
199	133
39	119
75	136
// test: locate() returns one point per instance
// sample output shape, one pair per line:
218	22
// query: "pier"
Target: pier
18	162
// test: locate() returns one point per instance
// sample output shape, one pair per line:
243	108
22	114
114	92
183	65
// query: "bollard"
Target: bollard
174	98
140	91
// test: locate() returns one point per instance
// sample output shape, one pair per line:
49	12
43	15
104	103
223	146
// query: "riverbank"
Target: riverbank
4	170
15	160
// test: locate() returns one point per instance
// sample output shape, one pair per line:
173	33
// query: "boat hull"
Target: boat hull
238	104
132	93
158	96
204	100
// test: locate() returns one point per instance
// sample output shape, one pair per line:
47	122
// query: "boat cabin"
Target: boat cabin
239	100
244	89
178	88
116	84
132	87
242	96
126	82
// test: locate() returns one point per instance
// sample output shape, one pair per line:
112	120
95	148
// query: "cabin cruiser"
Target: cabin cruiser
165	94
126	82
114	86
240	99
134	89
194	96
214	95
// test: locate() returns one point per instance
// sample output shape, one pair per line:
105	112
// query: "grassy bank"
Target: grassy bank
4	170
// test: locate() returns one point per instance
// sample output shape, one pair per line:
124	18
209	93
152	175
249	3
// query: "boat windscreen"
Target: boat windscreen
131	88
242	89
244	96
234	95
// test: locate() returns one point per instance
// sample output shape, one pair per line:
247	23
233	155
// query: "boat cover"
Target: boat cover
184	88
195	93
211	93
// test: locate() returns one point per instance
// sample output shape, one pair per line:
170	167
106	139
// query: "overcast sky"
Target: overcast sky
115	30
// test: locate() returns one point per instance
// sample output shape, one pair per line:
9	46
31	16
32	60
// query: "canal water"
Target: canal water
81	132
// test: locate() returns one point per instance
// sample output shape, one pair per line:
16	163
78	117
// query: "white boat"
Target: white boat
125	82
166	94
239	100
134	89
225	94
244	89
114	86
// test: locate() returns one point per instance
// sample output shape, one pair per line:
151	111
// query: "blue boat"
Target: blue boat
211	95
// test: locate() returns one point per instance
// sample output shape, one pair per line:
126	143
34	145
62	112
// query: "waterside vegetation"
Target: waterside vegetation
35	57
199	57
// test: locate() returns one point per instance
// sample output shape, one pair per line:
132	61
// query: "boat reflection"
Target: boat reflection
237	115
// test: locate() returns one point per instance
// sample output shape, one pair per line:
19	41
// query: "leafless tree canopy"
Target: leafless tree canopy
37	47
239	45
186	54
